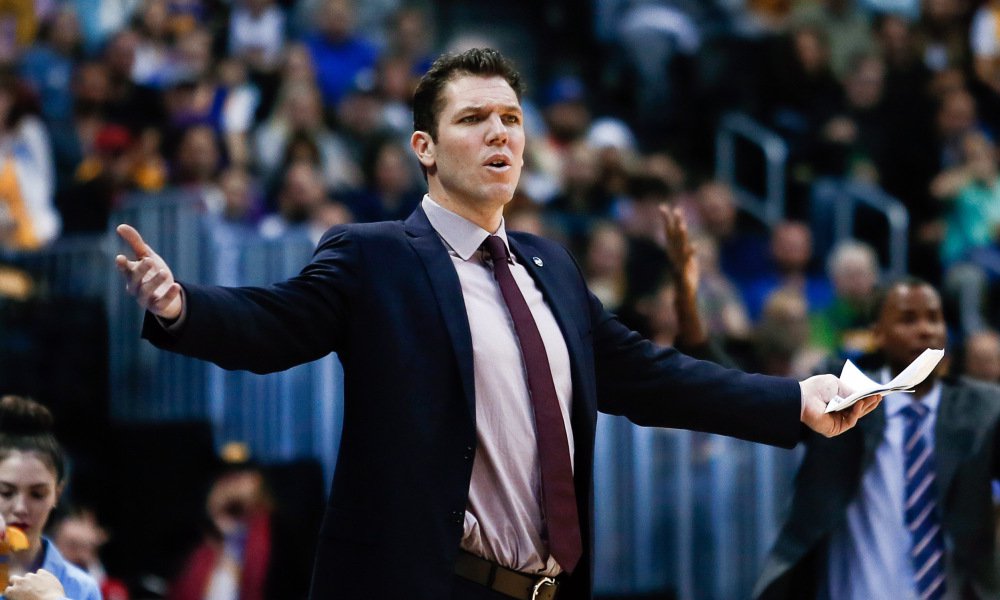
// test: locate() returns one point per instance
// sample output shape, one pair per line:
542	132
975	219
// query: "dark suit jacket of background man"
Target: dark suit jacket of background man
967	458
387	299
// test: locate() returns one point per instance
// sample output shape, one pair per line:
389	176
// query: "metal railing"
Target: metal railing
769	208
677	509
835	203
674	509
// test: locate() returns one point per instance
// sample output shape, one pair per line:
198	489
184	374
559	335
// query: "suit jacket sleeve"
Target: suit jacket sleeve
267	329
654	385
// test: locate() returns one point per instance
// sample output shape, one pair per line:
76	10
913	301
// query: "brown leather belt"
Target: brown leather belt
506	581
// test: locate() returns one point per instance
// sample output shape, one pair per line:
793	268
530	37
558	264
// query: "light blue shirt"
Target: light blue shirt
77	585
870	551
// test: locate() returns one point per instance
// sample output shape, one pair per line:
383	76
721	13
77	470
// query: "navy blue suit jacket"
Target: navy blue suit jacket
387	299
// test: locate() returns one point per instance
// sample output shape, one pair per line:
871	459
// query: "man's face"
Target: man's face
910	322
477	158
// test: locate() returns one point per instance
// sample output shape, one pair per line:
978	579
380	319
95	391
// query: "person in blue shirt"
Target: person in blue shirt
32	477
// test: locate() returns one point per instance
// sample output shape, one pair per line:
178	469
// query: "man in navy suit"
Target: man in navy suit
475	361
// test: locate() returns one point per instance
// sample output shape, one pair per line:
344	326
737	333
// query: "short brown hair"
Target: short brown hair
480	62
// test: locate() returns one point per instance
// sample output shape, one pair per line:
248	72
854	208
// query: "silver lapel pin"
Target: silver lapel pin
537	261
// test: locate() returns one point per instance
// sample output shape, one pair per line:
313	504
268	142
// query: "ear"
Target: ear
878	336
423	146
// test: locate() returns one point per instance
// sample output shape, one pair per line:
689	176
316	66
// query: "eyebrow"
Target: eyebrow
40	484
482	107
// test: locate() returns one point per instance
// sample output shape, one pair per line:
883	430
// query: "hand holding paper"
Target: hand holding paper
852	378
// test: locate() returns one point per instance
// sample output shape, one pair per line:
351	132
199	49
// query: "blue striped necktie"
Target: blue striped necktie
920	511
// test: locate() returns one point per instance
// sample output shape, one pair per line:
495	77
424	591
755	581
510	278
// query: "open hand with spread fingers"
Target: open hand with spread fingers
148	278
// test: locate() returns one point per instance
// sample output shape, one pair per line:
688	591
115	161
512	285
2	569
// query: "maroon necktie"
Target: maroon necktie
558	493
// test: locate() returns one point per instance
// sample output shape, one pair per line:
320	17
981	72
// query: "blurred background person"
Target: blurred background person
32	479
982	356
842	328
79	538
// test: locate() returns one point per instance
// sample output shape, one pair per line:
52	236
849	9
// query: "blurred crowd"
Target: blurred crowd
284	116
287	116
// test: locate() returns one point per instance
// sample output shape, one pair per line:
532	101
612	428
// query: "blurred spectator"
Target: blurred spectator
361	121
341	57
843	327
858	138
79	538
655	38
392	184
302	205
742	252
136	106
28	219
152	50
48	64
395	84
299	111
648	262
780	344
982	356
198	158
257	34
296	67
114	167
73	138
973	225
242	204
101	20
970	251
190	58
791	256
567	119
984	40
616	148
719	300
411	38
984	44
942	34
581	194
19	27
233	561
236	100
604	265
801	89
844	25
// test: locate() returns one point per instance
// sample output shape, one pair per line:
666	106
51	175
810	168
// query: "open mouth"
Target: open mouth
497	162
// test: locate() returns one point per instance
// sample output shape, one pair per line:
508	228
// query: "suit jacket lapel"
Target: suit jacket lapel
448	292
954	434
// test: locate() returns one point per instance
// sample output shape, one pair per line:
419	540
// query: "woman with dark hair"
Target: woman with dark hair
32	475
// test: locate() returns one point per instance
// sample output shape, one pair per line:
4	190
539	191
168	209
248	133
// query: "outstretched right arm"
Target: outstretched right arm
259	329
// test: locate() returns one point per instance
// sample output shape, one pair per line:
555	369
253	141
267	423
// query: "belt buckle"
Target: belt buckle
541	587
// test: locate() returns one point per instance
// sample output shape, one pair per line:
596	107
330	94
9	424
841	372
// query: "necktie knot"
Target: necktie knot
496	248
915	412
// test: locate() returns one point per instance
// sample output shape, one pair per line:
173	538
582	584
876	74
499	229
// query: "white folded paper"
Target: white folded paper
852	378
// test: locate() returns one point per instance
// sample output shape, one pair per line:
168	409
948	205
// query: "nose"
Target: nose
497	132
19	507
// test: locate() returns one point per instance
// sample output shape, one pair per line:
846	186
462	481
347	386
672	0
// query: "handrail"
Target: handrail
850	195
771	208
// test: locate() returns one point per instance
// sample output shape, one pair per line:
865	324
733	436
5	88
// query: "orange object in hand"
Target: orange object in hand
14	540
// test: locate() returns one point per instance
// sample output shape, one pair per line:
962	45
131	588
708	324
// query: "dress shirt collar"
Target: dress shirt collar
460	234
895	402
